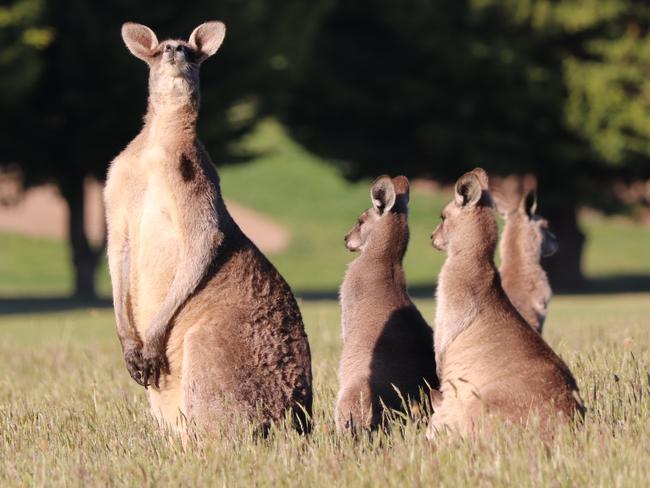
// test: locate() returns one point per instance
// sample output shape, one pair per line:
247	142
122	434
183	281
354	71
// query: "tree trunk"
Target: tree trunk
84	258
564	269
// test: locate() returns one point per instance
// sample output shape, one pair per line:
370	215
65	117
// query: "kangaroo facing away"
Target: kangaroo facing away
207	325
526	239
489	360
387	344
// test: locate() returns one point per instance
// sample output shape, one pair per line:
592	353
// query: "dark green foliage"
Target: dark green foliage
432	88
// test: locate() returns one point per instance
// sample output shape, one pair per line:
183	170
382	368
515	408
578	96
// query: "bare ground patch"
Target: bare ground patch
41	212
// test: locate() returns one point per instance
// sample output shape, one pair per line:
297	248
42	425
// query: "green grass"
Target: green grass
70	415
616	247
30	265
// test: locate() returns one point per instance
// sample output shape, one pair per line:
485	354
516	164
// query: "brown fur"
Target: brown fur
386	342
206	322
526	238
489	360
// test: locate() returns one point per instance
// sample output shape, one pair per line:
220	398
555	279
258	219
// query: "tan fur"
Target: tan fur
195	301
489	360
387	345
526	238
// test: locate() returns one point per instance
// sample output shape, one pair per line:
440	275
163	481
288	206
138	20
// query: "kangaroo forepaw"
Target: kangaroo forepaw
154	364
135	364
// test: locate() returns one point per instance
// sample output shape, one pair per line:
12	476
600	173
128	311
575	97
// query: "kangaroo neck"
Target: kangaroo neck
380	271
465	284
172	120
375	266
518	255
475	272
522	266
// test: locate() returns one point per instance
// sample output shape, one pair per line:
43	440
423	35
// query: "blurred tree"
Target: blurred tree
21	39
432	88
73	96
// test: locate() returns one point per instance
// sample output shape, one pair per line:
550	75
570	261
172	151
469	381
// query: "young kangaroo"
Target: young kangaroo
526	239
207	325
387	345
489	360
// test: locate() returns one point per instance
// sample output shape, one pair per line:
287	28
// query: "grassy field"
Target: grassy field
70	415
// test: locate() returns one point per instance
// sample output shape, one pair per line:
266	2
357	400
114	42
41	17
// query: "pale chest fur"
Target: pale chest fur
140	187
467	366
456	309
364	307
348	300
156	235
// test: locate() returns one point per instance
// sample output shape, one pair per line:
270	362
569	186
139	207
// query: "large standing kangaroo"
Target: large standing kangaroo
207	325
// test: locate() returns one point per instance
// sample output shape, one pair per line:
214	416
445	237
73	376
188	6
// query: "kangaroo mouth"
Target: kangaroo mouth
349	246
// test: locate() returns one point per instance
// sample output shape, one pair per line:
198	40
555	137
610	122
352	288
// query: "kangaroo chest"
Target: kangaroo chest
157	236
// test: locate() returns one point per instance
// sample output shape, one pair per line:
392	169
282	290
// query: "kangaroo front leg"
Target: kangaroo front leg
198	246
119	263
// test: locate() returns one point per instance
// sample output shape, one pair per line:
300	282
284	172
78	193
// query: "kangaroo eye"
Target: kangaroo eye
442	216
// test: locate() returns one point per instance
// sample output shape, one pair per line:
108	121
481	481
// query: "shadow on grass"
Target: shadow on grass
48	304
624	283
632	283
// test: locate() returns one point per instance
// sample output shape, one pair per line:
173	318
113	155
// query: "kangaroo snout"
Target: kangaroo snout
550	244
350	244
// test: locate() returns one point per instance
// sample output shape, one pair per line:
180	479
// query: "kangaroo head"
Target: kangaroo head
389	197
173	63
537	227
526	226
468	221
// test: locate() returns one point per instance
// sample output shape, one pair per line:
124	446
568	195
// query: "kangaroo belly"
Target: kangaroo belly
157	254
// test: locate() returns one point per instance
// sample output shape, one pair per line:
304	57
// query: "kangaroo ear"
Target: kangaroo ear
207	38
529	203
382	194
468	190
140	40
402	187
482	177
